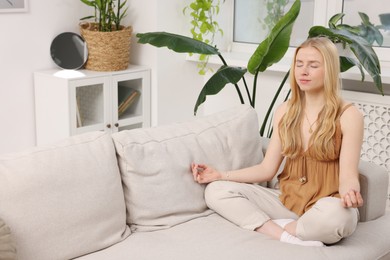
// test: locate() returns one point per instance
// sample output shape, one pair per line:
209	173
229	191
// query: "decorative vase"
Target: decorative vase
107	51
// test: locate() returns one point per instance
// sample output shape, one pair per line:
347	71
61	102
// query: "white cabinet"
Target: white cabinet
71	102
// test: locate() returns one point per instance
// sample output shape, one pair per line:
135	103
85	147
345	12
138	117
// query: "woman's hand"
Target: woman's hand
352	199
204	174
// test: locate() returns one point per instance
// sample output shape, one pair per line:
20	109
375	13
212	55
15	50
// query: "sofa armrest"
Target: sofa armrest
374	181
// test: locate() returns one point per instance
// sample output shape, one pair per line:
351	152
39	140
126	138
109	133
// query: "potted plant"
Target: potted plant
268	52
204	27
107	40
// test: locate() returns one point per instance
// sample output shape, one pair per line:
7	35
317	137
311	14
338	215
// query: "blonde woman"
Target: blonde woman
320	136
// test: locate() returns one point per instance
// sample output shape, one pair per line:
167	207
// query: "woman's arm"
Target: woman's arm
352	127
264	171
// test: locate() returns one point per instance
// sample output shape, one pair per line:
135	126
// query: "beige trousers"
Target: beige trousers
249	206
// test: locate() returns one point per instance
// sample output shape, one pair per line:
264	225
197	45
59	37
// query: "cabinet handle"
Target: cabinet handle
116	124
108	125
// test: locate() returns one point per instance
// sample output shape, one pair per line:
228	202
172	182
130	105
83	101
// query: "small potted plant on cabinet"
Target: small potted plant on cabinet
107	40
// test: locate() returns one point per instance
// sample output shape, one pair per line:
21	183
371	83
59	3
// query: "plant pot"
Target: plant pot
107	51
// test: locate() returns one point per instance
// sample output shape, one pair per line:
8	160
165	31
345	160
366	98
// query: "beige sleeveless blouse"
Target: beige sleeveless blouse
304	180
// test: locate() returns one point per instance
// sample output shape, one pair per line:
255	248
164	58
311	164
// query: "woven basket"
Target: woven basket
107	51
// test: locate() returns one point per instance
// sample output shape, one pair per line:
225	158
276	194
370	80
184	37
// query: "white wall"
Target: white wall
25	45
24	48
175	82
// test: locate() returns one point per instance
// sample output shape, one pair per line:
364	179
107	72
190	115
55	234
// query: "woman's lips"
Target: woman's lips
304	81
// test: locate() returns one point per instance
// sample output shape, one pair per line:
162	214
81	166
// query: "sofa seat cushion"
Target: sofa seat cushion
213	237
64	200
155	164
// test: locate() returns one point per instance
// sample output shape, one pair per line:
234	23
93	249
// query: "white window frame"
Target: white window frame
320	18
237	53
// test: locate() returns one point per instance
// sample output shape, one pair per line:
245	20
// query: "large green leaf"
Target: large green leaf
334	20
273	48
177	43
346	63
89	3
358	45
218	81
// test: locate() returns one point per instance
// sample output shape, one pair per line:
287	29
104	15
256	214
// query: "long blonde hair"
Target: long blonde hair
321	142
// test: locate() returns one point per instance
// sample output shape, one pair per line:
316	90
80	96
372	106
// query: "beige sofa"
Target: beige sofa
131	195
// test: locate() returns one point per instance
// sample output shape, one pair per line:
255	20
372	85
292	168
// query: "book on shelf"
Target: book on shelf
126	97
78	115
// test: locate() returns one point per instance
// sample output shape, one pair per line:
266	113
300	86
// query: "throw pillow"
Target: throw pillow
155	164
64	200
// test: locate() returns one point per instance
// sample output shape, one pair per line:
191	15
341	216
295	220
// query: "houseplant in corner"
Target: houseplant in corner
268	52
107	40
204	26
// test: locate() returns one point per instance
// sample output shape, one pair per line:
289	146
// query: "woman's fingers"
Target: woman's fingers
197	170
194	169
203	173
352	199
359	199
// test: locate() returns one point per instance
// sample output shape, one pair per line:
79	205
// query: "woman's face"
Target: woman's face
309	69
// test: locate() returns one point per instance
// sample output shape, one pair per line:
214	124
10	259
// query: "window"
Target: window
378	16
250	20
258	19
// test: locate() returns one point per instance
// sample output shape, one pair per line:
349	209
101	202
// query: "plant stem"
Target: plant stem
247	90
267	115
254	89
222	59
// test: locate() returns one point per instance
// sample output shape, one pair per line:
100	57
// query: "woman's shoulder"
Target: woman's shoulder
351	118
351	122
282	108
349	111
280	111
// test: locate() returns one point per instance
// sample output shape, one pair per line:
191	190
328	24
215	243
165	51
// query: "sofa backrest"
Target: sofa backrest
65	200
155	164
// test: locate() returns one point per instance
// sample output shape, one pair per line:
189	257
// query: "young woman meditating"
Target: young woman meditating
320	136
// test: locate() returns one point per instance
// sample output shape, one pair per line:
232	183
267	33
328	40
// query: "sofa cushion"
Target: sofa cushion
7	246
215	238
64	200
155	164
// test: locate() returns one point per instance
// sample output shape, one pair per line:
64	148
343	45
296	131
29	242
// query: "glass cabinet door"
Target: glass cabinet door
74	102
90	103
128	100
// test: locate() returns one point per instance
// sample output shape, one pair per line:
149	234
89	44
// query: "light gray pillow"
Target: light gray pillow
64	200
7	246
155	164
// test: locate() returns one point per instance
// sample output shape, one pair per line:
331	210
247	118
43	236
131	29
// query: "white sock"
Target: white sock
283	222
288	238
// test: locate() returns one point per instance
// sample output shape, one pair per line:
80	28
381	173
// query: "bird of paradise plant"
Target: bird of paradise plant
269	51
